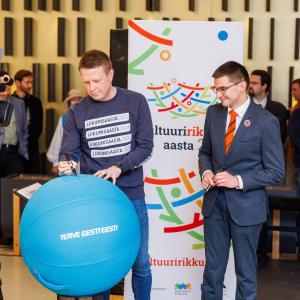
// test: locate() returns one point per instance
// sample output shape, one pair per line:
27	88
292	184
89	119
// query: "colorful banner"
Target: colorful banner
171	64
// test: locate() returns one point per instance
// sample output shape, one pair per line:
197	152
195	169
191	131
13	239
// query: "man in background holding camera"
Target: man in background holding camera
13	136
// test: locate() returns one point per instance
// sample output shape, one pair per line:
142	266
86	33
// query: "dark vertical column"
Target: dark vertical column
270	72
8	36
247	5
28	4
225	5
80	36
76	5
61	37
268	5
42	5
272	38
50	112
99	5
291	78
192	5
36	72
210	19
297	33
149	5
176	19
28	37
5	5
296	5
51	83
228	19
250	38
122	5
65	80
56	5
4	67
156	5
119	56
119	23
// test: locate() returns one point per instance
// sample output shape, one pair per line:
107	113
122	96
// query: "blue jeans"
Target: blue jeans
141	272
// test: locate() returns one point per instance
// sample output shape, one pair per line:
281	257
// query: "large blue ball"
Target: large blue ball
79	235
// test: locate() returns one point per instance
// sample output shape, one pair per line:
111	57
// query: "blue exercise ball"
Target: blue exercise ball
79	235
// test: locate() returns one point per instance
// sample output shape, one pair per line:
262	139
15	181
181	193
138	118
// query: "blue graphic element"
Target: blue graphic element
223	35
196	100
171	94
1	53
179	202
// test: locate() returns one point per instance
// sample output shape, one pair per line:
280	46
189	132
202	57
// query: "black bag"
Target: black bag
6	109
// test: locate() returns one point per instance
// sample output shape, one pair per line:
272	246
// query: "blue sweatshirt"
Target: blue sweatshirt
114	132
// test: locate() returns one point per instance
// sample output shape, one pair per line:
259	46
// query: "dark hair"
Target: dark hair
22	74
264	78
234	71
95	58
296	81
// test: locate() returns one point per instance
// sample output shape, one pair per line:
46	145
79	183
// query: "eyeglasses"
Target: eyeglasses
223	89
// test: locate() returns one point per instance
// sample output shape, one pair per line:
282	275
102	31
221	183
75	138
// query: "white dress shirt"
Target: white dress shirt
263	102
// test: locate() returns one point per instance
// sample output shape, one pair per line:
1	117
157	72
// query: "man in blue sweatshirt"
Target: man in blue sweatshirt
112	129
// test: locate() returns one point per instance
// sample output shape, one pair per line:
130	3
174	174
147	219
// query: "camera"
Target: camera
4	81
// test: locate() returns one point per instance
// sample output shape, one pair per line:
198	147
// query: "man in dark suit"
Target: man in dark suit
259	90
241	154
34	109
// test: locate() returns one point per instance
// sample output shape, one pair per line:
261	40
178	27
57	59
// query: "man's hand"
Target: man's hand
64	167
112	172
207	179
224	179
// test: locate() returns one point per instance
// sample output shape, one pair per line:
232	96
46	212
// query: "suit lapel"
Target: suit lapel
241	130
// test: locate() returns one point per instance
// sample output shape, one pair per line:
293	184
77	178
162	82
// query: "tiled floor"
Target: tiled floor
277	280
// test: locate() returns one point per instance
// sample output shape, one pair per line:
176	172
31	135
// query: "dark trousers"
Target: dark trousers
10	161
219	231
32	166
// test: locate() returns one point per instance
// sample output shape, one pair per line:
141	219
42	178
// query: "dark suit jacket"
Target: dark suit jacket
294	134
278	110
255	154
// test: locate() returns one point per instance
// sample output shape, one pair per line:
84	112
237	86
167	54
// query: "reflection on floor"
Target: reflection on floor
18	283
277	280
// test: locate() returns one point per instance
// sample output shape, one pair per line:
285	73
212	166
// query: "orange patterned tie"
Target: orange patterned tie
230	130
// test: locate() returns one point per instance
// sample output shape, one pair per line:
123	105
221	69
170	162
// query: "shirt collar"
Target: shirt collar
241	110
263	102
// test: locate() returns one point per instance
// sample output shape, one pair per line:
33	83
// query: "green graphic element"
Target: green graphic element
176	192
132	65
172	217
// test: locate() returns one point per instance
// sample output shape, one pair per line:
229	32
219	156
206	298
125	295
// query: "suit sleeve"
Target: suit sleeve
294	129
205	151
272	171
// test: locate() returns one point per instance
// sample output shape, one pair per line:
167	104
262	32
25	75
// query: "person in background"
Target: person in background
294	136
112	128
259	90
34	109
240	155
73	97
13	138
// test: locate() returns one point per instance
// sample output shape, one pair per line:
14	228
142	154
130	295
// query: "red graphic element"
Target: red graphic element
149	35
196	223
167	181
173	105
